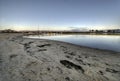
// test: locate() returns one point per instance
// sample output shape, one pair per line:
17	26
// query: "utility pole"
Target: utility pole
38	30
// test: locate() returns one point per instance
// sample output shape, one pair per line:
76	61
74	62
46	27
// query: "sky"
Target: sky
59	14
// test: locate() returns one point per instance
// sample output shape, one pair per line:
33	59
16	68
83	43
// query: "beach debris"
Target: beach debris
112	70
67	78
42	50
69	57
13	56
43	45
71	65
32	63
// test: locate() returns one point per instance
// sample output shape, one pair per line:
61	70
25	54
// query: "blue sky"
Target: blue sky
59	14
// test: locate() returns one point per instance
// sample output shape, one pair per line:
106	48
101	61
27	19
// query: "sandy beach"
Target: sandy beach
25	59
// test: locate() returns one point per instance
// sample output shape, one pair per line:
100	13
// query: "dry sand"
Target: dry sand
23	59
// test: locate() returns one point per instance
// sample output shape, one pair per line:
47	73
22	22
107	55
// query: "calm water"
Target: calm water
108	42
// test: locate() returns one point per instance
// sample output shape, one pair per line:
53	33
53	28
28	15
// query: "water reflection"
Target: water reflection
109	42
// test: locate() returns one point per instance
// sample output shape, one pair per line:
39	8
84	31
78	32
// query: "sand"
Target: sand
24	59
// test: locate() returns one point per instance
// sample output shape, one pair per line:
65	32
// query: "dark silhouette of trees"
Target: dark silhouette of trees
8	31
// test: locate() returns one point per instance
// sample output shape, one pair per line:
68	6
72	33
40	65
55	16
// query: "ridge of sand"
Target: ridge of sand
23	59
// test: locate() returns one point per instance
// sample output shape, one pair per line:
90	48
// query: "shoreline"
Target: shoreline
26	59
74	44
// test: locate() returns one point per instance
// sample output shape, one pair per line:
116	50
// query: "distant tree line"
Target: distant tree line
63	32
8	31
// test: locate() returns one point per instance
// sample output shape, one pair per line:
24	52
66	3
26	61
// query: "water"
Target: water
109	42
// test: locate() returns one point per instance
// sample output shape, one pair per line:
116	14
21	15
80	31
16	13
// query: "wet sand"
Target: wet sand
23	59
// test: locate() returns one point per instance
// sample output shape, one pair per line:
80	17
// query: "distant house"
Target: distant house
117	31
105	31
114	31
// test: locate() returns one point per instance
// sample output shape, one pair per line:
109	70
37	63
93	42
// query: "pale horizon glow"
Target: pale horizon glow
19	28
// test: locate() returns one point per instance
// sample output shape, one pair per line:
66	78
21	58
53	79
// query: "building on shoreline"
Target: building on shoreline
105	31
